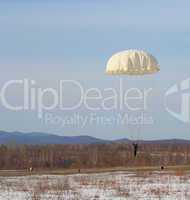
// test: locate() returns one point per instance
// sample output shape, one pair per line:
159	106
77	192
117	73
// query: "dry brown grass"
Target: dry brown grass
179	172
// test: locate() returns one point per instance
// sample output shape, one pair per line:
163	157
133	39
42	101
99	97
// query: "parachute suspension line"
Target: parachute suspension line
135	129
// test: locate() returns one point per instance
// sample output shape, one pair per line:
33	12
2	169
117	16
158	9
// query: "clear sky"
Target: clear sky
52	40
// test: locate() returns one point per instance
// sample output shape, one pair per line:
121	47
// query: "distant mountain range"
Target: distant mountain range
44	138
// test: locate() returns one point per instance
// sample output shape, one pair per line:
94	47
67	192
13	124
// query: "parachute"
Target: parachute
132	63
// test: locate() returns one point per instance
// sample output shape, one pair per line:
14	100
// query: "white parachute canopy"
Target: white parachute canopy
132	62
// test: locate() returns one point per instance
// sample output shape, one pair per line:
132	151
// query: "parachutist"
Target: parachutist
130	63
135	146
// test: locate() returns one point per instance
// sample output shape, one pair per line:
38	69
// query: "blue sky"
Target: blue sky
52	40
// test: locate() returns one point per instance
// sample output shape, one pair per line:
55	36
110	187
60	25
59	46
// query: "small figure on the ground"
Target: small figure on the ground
135	147
162	167
78	170
31	169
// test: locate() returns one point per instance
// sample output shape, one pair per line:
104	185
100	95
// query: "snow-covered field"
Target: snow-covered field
102	186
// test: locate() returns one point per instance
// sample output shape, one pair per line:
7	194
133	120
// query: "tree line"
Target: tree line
14	156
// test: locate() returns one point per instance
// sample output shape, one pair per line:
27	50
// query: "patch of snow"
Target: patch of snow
102	186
